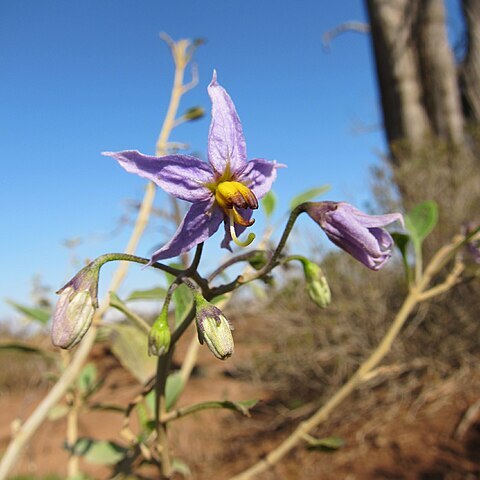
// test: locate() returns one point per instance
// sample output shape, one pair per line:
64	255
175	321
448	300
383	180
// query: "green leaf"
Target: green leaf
130	347
241	407
27	348
326	444
180	467
57	412
182	298
40	315
137	320
401	241
421	221
173	389
87	379
143	416
100	452
107	407
308	195
156	293
269	202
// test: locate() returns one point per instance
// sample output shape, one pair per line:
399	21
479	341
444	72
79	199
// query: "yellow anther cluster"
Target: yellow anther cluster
235	194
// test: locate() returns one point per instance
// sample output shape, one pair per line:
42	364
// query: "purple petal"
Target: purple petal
342	225
182	176
226	144
200	223
259	175
384	239
371	220
358	253
246	213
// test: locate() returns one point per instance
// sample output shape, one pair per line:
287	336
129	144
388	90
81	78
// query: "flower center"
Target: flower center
230	196
235	194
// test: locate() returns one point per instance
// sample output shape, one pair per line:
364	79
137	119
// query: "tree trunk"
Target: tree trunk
427	102
416	71
470	71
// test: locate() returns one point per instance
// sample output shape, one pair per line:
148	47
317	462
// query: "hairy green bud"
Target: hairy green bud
317	285
259	259
213	329
159	336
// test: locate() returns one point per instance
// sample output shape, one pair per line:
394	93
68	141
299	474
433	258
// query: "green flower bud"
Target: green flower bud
194	113
159	336
213	329
258	260
75	308
317	285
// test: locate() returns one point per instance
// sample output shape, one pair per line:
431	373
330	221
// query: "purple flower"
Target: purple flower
356	232
226	189
473	246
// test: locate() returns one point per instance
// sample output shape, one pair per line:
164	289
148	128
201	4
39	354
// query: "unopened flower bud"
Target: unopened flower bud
72	318
317	285
258	260
159	336
359	234
75	308
194	113
213	329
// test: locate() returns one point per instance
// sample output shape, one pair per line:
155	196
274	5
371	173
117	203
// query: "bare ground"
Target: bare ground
387	435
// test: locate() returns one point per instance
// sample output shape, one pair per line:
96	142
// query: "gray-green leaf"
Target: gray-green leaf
173	389
326	444
308	195
156	293
87	379
130	346
422	220
36	314
101	452
269	202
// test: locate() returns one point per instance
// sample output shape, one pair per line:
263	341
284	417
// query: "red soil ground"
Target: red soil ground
412	438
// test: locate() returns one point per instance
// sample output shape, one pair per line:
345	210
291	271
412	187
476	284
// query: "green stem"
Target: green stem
163	365
111	257
281	244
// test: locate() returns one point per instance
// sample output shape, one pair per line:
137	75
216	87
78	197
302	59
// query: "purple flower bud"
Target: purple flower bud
75	308
359	234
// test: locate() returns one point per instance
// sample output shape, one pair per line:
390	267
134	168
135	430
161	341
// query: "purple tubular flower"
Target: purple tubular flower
359	234
226	189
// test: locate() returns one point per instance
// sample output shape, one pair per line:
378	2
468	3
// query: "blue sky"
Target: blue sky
79	78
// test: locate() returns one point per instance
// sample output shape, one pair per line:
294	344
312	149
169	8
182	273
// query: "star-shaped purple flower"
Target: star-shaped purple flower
226	189
359	234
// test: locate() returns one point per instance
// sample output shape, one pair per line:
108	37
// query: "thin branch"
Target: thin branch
352	26
194	81
449	282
